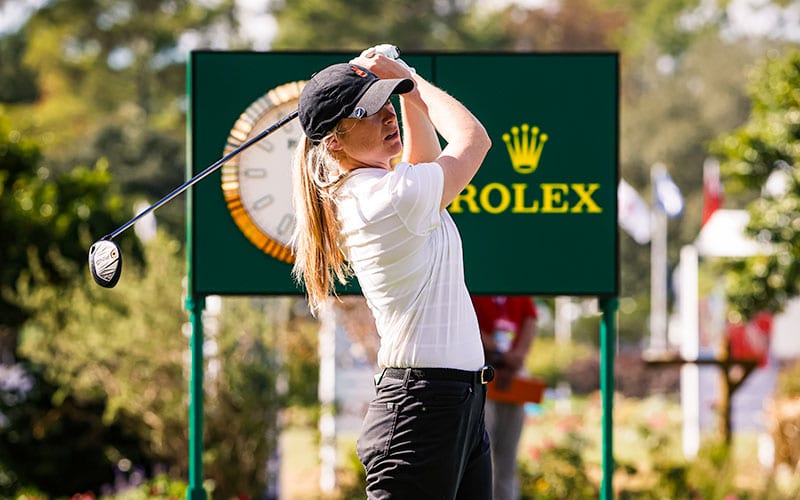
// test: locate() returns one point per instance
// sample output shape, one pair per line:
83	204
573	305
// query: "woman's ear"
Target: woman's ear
332	143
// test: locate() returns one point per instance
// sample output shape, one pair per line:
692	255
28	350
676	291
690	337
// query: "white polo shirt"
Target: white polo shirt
407	256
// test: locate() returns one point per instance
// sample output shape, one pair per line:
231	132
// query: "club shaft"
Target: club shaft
202	175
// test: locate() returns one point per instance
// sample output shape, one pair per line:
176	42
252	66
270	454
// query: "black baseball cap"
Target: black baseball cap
344	91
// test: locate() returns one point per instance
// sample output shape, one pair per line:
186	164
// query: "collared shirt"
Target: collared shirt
407	256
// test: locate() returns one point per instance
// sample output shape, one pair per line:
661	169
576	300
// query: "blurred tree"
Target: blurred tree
666	27
46	220
572	26
56	448
411	25
679	106
680	87
111	81
119	350
121	353
17	81
63	426
761	157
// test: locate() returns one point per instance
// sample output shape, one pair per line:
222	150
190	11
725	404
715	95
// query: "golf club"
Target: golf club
105	258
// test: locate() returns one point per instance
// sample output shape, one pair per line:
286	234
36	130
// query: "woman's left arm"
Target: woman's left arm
420	141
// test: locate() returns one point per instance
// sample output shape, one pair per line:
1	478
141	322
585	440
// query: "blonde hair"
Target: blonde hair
318	260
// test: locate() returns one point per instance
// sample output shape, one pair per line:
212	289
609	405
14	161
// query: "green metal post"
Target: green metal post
607	350
195	304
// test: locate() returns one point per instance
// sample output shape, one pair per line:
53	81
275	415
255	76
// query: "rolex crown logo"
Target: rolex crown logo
524	146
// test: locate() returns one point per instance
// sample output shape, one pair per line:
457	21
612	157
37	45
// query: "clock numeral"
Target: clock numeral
255	173
291	143
286	225
263	202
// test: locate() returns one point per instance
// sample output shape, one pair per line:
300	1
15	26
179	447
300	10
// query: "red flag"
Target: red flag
750	341
712	189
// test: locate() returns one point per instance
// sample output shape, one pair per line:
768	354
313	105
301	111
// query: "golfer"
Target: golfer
423	436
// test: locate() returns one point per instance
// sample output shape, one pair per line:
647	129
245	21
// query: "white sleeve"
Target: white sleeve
416	194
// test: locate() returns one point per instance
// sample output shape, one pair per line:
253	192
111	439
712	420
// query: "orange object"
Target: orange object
523	389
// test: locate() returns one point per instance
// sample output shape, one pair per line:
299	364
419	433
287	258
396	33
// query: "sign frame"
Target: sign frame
569	174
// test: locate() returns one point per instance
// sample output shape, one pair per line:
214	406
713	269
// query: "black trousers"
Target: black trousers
425	439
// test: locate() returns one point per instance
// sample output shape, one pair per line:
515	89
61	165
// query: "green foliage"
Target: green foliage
111	80
562	29
559	473
301	365
656	25
664	471
121	352
121	347
767	143
411	25
672	107
17	82
769	137
714	471
161	487
47	219
50	222
551	360
53	443
563	443
243	398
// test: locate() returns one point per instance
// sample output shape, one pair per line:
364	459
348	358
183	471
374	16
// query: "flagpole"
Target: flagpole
658	268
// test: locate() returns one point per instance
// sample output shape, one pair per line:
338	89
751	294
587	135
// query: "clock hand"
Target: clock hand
266	146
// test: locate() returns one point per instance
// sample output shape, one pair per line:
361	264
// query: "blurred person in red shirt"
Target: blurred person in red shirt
508	326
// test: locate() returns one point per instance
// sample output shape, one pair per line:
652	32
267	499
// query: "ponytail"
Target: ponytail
318	260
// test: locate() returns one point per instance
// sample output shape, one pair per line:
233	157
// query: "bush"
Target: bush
161	487
713	473
558	472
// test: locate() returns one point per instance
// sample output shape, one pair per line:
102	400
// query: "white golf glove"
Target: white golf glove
389	51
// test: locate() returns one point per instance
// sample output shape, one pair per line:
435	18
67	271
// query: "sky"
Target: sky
13	13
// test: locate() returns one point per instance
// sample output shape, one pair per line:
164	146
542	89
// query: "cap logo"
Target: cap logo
359	112
360	72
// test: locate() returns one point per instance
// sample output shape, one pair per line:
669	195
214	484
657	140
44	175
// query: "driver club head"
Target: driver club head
105	263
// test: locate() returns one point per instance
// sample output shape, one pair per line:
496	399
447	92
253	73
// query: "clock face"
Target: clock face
257	183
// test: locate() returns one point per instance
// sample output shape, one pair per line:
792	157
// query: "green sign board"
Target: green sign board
539	218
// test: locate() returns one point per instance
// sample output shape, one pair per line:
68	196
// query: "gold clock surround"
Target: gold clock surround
244	129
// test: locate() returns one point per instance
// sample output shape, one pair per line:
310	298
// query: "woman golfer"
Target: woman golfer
423	436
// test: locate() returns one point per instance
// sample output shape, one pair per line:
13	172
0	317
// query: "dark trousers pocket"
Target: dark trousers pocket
376	432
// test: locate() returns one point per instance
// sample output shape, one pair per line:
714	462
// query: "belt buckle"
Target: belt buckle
486	374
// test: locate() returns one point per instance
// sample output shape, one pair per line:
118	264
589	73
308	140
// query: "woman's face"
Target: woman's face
371	141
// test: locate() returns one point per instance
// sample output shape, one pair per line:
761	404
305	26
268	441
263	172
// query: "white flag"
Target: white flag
633	213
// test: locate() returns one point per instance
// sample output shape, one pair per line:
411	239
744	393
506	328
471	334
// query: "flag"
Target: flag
712	189
634	214
667	195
